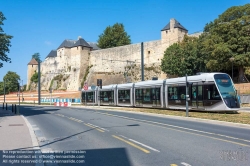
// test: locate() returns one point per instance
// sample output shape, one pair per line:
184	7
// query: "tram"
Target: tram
206	92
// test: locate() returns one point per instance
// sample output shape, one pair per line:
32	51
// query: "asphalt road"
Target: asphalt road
123	138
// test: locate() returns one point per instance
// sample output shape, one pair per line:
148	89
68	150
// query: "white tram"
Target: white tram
207	92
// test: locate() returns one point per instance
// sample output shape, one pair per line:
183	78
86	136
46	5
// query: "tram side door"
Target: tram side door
197	96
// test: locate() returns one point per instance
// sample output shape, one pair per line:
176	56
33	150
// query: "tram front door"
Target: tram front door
197	96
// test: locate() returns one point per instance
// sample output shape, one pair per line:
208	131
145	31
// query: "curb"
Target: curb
35	144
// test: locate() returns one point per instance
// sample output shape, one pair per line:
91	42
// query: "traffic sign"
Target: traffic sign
85	87
93	87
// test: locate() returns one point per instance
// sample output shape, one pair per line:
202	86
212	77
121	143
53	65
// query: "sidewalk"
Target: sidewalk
16	138
14	132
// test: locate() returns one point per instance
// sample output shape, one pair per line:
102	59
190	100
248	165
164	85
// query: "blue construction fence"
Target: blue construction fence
73	100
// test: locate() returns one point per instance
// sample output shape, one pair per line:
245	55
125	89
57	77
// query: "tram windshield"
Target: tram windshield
225	86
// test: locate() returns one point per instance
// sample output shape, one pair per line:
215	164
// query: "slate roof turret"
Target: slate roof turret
52	54
67	44
33	62
94	45
81	42
176	25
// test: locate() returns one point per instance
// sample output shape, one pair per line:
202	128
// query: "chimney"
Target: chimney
79	37
172	23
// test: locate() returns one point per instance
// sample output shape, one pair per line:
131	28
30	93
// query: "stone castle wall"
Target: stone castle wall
123	62
113	65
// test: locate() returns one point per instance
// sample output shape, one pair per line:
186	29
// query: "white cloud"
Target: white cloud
48	43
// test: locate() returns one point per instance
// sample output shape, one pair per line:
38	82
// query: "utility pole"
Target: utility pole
187	97
142	62
4	90
39	84
22	91
19	98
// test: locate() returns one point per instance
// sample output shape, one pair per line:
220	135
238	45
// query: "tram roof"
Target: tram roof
203	77
113	86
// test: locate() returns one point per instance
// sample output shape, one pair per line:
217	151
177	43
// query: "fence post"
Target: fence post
12	108
15	108
3	106
6	106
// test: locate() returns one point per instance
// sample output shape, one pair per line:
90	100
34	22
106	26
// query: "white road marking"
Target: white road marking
186	164
35	128
97	127
144	145
140	144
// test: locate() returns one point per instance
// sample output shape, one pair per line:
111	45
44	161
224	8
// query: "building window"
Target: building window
82	47
148	52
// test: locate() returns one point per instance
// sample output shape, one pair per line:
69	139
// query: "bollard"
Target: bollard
15	108
3	106
6	106
12	108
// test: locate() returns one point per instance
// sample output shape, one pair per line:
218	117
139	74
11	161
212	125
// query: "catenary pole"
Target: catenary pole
187	96
142	62
39	84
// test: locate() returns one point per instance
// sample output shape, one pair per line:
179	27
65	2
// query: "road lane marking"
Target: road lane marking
132	144
74	119
173	165
93	127
144	145
97	127
140	143
186	164
180	128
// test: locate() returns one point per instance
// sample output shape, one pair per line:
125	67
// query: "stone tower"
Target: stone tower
173	32
32	68
80	52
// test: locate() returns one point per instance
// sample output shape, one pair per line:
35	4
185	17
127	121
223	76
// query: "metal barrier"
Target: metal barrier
245	99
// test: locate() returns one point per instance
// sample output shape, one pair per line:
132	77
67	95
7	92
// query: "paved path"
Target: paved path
16	135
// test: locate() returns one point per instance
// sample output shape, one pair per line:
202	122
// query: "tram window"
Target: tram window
211	93
173	93
124	96
182	92
147	96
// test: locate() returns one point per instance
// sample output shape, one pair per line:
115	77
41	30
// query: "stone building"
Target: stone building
77	61
32	68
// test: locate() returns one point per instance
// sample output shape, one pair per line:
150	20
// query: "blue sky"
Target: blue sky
42	25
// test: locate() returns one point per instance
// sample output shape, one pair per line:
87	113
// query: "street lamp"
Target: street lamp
4	86
22	88
232	60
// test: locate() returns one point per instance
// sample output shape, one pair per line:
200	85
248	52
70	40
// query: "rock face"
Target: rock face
77	61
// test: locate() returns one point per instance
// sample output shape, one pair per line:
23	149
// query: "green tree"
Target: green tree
37	57
1	88
4	42
228	36
114	36
34	78
11	82
183	58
